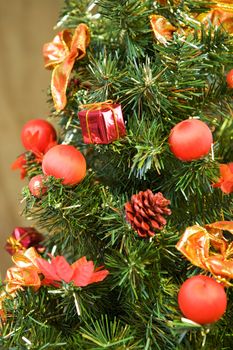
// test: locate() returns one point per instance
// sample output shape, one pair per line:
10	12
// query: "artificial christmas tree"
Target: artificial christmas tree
112	265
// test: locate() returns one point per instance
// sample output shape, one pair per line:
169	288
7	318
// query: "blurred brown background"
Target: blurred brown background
25	25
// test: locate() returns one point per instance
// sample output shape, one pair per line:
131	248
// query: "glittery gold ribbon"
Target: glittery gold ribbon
60	55
207	248
25	273
218	17
223	4
98	106
162	28
220	14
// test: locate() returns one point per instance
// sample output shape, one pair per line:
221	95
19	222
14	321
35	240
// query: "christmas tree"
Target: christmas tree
129	184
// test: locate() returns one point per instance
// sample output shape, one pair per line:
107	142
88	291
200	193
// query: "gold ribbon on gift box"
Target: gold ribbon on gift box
98	106
208	248
60	55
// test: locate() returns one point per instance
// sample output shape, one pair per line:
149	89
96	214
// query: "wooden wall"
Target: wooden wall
24	26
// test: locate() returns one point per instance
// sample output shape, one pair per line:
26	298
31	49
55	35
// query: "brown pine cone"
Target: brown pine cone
145	212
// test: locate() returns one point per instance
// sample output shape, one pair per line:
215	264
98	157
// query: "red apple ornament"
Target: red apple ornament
229	79
65	162
190	139
36	185
38	135
202	299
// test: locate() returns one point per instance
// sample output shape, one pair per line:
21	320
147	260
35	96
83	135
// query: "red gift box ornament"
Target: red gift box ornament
102	122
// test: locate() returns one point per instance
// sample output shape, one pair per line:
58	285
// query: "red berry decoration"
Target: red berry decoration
36	185
229	79
38	135
190	139
65	162
202	299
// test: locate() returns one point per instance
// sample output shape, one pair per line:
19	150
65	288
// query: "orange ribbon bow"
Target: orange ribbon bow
60	55
207	248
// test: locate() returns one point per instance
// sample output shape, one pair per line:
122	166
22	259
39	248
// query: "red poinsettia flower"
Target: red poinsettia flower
225	182
20	163
81	273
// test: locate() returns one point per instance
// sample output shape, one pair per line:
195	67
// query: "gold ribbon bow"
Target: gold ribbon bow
218	17
220	14
208	248
60	55
98	106
226	4
162	28
223	4
24	273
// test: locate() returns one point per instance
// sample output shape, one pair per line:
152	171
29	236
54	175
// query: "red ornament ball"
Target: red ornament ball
190	139
65	162
229	79
38	134
36	186
202	299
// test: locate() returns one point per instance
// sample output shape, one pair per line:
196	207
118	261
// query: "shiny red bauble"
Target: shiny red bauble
38	134
190	139
65	162
36	185
229	79
202	299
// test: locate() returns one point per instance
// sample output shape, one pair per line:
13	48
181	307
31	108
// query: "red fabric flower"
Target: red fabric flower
20	163
81	273
225	182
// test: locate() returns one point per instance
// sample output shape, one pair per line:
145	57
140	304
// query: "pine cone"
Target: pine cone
145	212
